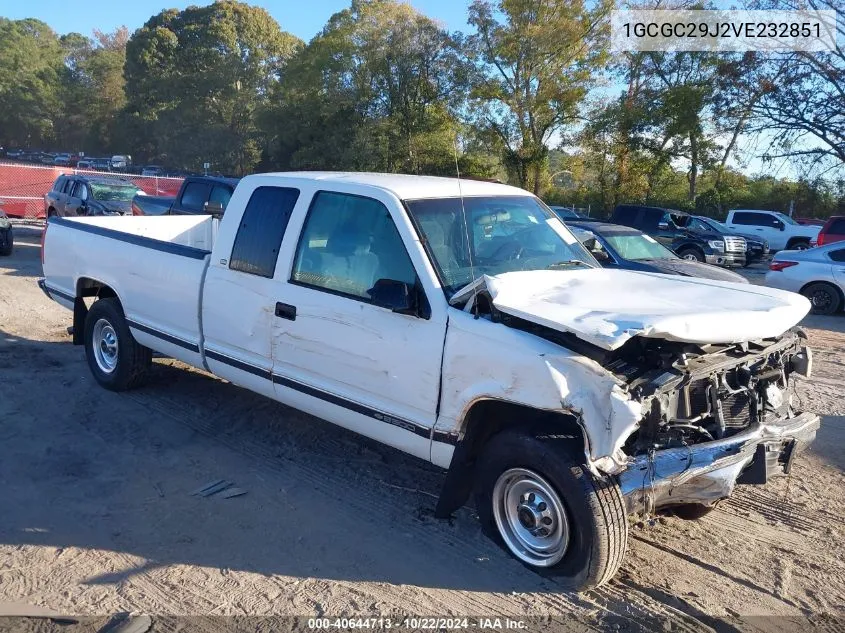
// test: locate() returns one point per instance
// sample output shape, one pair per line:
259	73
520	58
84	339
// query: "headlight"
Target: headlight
717	245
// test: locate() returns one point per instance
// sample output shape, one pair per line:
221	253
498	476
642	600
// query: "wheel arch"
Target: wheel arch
684	246
486	418
792	241
88	287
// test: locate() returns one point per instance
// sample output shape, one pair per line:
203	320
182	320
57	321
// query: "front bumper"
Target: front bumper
725	259
705	473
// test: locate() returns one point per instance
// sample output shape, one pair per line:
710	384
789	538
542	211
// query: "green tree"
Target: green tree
377	89
31	61
198	80
536	60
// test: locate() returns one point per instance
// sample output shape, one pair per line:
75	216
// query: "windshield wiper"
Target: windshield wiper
568	262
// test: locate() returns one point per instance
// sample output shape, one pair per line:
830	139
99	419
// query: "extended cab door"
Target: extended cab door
239	291
339	350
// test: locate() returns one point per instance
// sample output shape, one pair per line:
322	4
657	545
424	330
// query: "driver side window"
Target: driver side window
348	243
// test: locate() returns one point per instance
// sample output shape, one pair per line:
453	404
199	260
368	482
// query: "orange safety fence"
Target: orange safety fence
22	187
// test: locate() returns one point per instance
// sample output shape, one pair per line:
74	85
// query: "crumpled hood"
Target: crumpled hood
111	206
608	307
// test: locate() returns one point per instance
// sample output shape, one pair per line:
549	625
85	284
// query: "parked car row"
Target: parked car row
80	194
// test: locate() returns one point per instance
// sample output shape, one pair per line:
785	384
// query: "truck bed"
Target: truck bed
154	264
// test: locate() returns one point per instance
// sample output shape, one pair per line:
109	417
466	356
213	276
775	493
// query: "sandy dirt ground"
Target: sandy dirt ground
96	515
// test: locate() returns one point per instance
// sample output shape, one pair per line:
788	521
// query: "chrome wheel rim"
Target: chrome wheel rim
531	518
821	299
104	343
690	257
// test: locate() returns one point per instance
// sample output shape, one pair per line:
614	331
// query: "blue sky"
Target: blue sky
303	19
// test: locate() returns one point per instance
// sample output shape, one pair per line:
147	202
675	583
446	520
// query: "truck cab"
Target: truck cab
778	229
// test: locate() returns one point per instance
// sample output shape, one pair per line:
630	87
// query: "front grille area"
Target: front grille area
735	244
736	409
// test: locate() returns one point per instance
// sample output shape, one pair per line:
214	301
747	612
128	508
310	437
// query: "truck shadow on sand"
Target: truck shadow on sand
86	468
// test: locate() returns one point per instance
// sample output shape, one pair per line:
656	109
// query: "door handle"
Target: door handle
285	311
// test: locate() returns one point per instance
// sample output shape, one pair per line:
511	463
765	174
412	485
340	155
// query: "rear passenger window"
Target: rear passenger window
194	196
59	184
837	227
347	244
262	228
838	255
220	194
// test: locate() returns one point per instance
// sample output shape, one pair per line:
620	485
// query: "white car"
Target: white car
817	273
778	229
463	323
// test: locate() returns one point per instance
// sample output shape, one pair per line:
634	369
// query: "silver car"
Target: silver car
817	273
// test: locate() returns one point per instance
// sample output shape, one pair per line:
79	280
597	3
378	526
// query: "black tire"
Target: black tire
131	359
9	246
691	252
824	297
691	511
593	507
798	245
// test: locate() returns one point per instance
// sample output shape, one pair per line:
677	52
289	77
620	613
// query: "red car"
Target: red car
832	231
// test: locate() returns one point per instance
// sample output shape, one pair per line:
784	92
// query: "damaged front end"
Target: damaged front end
714	416
677	417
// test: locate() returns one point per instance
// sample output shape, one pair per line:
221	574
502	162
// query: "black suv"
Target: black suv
670	228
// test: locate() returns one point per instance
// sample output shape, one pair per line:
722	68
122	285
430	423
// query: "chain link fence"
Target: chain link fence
22	187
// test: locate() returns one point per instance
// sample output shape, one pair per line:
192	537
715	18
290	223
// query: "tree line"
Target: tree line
529	94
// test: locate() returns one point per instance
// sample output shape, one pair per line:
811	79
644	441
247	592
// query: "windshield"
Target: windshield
786	218
506	234
113	193
633	246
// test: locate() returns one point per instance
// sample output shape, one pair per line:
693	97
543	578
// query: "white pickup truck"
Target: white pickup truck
461	322
778	229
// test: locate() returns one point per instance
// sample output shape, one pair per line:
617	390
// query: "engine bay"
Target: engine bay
693	393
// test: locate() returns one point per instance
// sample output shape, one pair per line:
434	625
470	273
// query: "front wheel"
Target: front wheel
116	359
691	254
535	498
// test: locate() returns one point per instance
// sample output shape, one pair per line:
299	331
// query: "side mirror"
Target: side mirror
601	256
780	226
213	208
395	295
663	226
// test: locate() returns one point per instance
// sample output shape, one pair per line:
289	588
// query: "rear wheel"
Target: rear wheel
798	245
116	359
824	297
691	254
536	499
